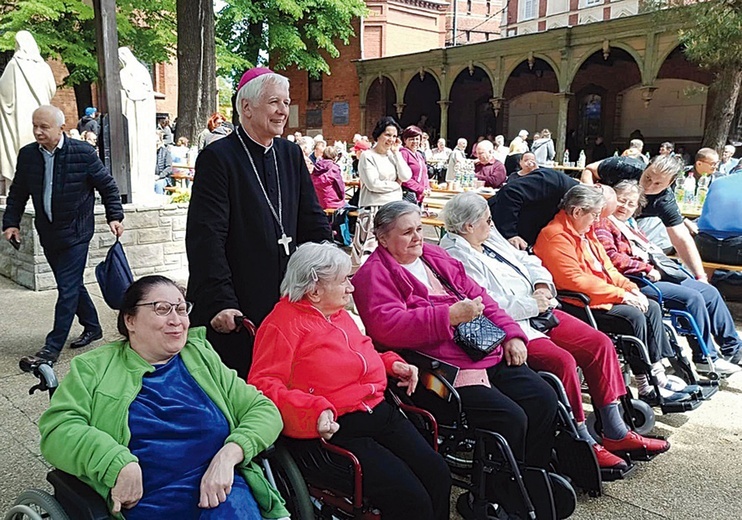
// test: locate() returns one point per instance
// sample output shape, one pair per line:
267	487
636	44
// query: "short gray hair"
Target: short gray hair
55	111
464	208
389	213
583	196
253	89
311	264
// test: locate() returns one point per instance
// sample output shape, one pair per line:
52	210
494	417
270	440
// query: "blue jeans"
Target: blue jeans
73	299
707	306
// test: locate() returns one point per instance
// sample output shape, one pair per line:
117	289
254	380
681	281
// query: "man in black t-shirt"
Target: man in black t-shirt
657	180
612	170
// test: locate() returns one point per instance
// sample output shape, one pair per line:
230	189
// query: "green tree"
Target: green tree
290	32
712	40
64	30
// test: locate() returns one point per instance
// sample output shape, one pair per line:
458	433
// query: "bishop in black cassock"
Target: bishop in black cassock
235	259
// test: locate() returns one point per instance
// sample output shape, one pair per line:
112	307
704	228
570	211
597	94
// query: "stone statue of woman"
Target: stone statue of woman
25	85
138	106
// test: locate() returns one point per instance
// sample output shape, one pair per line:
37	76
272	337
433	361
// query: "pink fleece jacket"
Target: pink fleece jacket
400	314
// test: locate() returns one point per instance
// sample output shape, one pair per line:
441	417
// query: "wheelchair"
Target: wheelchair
638	414
682	323
475	455
72	499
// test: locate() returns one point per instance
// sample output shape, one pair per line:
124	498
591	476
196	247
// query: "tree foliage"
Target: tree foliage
711	40
291	32
64	30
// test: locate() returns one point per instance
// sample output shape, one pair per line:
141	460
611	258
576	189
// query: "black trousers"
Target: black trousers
73	299
625	319
520	406
726	251
402	475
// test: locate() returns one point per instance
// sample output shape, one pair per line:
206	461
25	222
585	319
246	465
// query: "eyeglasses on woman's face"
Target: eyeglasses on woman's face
165	308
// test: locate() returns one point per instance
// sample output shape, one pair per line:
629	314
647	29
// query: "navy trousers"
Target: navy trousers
707	306
73	299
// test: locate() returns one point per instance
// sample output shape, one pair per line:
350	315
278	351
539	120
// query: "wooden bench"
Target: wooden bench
710	267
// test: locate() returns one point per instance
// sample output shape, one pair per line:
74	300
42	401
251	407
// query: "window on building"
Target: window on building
528	9
590	3
315	88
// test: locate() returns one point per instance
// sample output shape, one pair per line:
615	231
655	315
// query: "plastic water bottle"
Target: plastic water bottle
679	188
566	157
581	160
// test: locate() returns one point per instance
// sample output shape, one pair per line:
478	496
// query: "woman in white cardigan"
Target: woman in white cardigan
523	288
382	170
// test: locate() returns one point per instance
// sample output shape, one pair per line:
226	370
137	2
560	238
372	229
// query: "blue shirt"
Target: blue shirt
721	215
175	432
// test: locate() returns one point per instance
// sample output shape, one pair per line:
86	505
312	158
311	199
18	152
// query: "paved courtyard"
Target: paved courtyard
698	478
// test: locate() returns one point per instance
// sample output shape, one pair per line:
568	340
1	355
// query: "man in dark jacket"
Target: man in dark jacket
527	203
59	175
253	202
88	123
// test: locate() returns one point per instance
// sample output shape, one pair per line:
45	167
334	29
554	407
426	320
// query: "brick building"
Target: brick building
330	105
529	16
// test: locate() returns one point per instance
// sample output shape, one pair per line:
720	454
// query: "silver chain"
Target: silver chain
278	216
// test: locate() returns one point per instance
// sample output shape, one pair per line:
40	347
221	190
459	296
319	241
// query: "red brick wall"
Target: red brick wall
341	85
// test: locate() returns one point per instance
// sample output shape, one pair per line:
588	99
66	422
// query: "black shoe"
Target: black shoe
45	354
86	338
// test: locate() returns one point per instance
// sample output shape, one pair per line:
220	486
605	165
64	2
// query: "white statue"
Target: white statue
26	84
138	106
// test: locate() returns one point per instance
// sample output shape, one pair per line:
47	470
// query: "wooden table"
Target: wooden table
690	211
182	175
486	195
572	171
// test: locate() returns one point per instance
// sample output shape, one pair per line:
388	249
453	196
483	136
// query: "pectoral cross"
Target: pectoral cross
285	241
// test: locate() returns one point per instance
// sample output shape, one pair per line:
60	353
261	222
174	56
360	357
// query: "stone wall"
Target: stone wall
154	242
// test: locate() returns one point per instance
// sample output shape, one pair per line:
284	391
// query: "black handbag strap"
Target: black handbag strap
445	283
497	256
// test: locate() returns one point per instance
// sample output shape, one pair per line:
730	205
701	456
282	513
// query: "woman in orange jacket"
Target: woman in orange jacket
570	250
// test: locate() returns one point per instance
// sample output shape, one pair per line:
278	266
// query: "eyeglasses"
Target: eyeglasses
165	308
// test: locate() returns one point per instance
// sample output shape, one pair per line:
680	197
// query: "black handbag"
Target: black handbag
669	269
545	321
477	338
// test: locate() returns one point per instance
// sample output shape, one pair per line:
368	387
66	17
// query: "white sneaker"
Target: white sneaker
721	367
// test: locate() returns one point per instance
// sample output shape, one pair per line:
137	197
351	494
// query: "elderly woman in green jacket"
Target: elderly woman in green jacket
157	425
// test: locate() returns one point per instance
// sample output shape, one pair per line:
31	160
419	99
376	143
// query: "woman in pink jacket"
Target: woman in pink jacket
418	186
404	305
328	181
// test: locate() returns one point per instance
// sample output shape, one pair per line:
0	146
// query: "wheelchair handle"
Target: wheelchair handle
243	322
44	372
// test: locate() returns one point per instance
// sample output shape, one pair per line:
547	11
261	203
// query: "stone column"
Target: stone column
561	144
363	119
444	104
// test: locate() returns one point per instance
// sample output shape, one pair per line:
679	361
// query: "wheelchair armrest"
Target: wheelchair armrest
357	470
584	299
77	498
642	281
431	425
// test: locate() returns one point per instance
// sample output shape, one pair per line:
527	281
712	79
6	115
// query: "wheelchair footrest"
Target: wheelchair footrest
576	459
680	407
641	454
708	390
610	474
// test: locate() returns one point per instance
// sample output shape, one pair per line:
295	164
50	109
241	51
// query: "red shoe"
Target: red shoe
635	442
608	460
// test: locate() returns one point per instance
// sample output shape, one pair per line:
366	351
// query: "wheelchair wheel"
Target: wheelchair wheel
35	504
291	485
643	416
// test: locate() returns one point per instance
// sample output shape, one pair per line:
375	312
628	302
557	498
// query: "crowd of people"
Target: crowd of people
164	421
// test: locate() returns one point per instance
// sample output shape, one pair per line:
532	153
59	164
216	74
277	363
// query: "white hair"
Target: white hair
464	208
55	112
310	265
253	90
